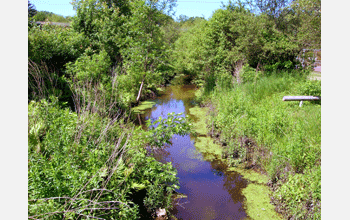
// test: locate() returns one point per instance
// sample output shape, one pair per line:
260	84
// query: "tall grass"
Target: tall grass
281	138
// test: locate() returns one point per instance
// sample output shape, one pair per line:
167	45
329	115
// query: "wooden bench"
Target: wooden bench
301	98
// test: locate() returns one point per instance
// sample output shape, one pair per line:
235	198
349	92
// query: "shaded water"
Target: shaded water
212	192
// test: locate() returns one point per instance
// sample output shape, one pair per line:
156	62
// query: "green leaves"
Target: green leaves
162	130
213	51
55	45
310	88
249	74
301	189
87	68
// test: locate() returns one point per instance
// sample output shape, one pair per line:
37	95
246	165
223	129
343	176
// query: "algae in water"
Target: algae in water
199	126
208	148
257	195
143	106
258	204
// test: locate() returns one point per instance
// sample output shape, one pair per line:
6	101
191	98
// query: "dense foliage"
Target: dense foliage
212	51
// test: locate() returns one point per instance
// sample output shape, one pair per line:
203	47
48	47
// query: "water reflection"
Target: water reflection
212	193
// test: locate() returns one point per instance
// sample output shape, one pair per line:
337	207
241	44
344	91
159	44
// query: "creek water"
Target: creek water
212	192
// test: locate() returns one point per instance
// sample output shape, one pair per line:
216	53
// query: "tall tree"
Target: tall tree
270	7
31	10
308	13
146	45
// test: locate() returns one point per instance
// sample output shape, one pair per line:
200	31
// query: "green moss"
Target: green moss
143	106
257	195
208	148
257	202
182	92
199	125
250	175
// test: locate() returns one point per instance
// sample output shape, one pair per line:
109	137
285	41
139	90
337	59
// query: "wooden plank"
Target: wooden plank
301	98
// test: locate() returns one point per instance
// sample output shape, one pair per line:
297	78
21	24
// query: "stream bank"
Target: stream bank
257	194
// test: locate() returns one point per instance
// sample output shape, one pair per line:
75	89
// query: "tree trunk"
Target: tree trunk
140	90
238	68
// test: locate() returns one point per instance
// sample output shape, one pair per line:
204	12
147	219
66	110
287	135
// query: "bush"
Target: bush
249	74
55	45
310	88
86	68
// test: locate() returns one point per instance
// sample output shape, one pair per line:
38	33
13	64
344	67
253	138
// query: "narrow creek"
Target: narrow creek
212	192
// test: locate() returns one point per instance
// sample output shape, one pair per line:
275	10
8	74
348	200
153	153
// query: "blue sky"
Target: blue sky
185	7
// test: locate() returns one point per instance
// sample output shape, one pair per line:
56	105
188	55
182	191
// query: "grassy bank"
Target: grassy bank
261	132
257	193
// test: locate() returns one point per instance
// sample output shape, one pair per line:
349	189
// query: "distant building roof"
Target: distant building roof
53	23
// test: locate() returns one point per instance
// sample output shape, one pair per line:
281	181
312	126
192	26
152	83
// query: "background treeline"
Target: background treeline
50	16
211	51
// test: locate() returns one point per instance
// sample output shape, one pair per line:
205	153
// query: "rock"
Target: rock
160	212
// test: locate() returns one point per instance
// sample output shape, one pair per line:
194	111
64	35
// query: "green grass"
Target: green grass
282	138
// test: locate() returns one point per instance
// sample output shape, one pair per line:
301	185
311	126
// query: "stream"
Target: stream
212	192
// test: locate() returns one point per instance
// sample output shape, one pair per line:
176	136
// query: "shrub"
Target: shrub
55	45
86	68
310	88
249	74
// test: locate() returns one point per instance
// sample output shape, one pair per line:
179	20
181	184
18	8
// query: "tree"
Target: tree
31	10
308	13
272	8
42	15
123	5
145	50
103	25
182	18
